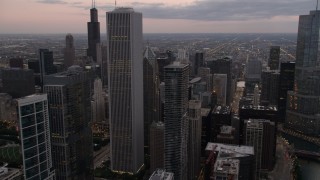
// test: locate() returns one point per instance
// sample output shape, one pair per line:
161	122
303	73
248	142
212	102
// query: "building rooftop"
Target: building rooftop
234	150
176	64
222	110
161	174
226	129
227	166
261	108
205	111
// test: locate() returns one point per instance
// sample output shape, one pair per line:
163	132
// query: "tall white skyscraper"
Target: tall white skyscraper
176	119
125	78
35	137
98	102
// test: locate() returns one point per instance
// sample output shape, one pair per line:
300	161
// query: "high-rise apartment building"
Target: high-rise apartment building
274	58
35	137
69	51
194	144
70	123
304	101
125	67
176	119
94	48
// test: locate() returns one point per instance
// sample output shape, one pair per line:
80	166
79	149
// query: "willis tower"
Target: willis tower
93	34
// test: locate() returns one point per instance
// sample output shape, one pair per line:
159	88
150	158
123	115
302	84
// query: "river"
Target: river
309	169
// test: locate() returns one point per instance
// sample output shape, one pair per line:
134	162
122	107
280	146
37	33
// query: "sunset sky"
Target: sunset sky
160	16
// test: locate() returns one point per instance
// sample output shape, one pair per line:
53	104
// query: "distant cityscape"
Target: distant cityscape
123	104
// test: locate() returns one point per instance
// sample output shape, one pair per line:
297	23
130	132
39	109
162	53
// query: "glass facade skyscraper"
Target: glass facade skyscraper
176	121
125	78
70	123
303	106
35	137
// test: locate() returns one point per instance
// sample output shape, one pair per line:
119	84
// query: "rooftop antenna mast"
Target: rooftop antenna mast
115	3
317	5
93	4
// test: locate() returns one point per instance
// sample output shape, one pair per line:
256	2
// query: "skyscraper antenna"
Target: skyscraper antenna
317	5
94	3
115	3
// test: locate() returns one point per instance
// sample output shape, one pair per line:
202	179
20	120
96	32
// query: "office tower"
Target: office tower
69	51
35	137
218	152
70	123
93	34
304	101
124	29
256	96
274	58
176	119
156	146
17	82
206	115
161	174
151	93
221	117
182	56
260	134
286	82
194	144
222	66
35	66
220	88
198	62
252	75
46	64
270	87
164	59
16	63
98	102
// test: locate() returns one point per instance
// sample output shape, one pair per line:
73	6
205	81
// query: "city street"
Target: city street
101	156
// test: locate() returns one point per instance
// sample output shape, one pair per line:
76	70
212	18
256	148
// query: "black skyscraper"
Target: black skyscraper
46	64
286	83
93	34
274	57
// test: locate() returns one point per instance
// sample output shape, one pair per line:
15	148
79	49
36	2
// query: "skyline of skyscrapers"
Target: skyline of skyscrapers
125	67
169	134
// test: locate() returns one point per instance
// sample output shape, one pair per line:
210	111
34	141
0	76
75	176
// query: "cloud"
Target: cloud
226	10
52	2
